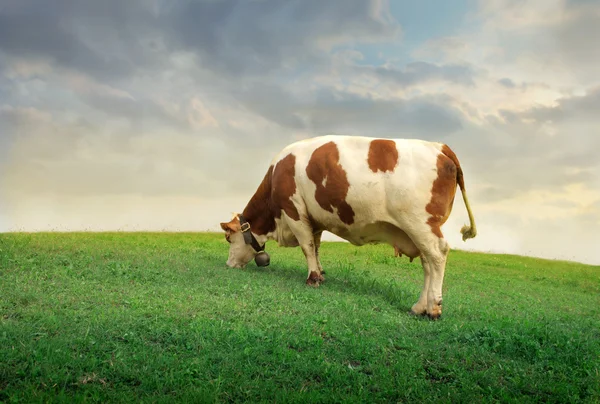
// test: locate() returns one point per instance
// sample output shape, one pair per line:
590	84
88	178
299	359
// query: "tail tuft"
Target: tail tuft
468	232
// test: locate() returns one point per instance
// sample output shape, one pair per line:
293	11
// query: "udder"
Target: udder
384	232
404	245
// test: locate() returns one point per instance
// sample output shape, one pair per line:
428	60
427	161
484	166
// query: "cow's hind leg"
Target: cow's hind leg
420	307
436	258
304	234
434	252
437	265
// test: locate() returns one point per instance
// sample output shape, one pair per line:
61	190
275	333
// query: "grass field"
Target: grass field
159	318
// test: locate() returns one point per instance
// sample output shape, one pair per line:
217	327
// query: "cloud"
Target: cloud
103	39
422	116
538	149
255	38
418	72
351	63
581	107
506	82
577	33
328	110
553	40
49	157
211	46
111	39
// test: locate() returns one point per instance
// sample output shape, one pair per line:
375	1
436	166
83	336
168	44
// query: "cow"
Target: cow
364	190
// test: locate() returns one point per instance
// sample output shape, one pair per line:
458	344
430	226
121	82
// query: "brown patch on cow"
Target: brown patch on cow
284	186
383	155
459	174
273	195
259	210
325	171
442	193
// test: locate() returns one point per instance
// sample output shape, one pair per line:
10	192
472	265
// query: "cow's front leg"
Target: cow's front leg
314	273
317	248
304	234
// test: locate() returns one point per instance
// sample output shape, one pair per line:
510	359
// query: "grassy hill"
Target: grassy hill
159	318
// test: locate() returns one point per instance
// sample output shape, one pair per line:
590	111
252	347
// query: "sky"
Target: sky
164	115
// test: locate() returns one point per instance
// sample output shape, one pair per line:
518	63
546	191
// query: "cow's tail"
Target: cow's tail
467	231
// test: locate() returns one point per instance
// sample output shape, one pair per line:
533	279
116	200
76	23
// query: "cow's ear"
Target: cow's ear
230	226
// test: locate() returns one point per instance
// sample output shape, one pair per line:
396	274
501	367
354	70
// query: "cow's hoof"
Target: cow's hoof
435	313
314	279
418	310
434	317
313	283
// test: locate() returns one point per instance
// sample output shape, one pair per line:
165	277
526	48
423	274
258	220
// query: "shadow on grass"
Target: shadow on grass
356	282
341	276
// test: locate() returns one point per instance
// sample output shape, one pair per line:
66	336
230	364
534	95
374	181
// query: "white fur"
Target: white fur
398	198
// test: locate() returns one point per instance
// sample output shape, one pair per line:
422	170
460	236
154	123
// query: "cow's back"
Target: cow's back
347	183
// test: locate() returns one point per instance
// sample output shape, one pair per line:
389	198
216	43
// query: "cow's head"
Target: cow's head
242	245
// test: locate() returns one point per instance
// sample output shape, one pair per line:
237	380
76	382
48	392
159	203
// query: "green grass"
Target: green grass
159	318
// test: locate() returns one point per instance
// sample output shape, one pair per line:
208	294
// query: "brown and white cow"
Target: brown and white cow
365	190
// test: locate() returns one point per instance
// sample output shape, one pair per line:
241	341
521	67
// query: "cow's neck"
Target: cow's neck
259	210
